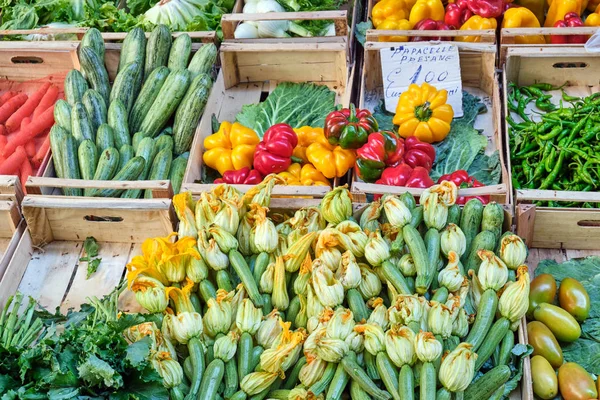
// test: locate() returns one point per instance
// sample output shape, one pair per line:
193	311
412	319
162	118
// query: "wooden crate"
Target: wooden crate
49	184
514	38
45	264
477	63
547	227
11	222
251	70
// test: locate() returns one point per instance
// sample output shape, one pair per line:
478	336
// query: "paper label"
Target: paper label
437	64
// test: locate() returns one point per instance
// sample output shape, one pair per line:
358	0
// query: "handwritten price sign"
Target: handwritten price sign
437	64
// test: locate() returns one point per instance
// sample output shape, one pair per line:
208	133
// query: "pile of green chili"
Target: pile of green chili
562	150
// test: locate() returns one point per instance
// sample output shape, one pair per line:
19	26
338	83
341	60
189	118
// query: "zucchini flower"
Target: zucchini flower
228	216
150	293
447	193
314	307
296	253
370	285
329	290
377	249
327	248
396	212
440	319
329	349
352	238
341	323
175	256
196	269
266	238
369	220
269	329
453	239
435	213
245	235
280	298
355	342
426	307
513	251
493	273
393	235
301	393
427	347
284	352
217	318
168	368
460	326
314	220
213	255
248	317
256	382
187	323
285	227
379	316
458	368
374	337
184	208
450	277
228	192
407	266
400	345
282	246
301	319
236	301
514	301
348	272
301	281
266	279
224	239
336	206
206	210
261	193
312	371
477	289
226	346
411	310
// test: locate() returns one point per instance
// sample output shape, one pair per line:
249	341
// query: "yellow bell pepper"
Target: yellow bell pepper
331	161
559	8
594	18
305	175
583	4
231	148
476	23
395	9
392	24
306	136
521	17
422	111
537	7
423	9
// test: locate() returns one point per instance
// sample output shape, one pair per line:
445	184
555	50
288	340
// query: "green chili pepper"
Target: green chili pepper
570	99
552	175
547	86
550	159
553	133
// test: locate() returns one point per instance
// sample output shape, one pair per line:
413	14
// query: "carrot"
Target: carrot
3	131
29	146
14	122
6	96
25	172
41	153
3	141
13	162
36	127
48	99
7	109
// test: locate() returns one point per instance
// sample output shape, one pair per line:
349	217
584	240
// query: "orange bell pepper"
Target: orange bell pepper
331	161
305	175
231	148
521	17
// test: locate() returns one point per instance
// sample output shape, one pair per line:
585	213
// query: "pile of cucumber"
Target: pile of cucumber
142	127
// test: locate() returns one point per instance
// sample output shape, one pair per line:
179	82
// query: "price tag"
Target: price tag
437	64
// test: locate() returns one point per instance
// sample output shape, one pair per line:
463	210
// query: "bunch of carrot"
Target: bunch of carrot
23	119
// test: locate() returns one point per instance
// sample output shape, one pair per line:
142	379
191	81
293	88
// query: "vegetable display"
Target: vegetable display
24	125
124	132
563	313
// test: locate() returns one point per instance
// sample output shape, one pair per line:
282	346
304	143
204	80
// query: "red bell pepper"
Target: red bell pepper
457	14
349	127
418	154
383	149
404	175
462	180
430	25
274	154
571	20
243	176
486	8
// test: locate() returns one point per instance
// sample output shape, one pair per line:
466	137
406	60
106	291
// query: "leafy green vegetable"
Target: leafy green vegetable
384	118
520	351
137	7
91	248
296	104
486	169
360	32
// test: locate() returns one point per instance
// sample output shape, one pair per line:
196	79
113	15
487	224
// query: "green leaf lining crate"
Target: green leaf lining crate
572	227
12	224
45	264
249	72
478	73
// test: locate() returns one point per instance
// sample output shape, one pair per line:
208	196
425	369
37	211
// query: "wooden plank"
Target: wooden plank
567	228
525	222
24	61
484	36
556	195
8	248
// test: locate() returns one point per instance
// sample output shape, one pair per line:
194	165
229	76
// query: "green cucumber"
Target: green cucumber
231	378
432	245
493	219
105	138
485	240
291	379
357	305
180	52
494	337
95	72
486	311
244	355
126	153
485	386
178	171
124	87
416	216
454	214
388	374
428	381
356	392
506	347
137	138
408	200
393	275
443	394
117	119
406	382
371	366
147	95
108	165
360	376
211	379
160	169
94	40
419	253
62	114
243	271
95	107
470	222
164	142
203	61
134	48
81	126
88	159
207	290
146	149
130	172
190	111
157	49
169	97
75	87
58	138
323	383
70	164
167	131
